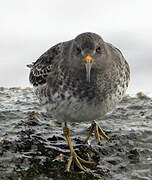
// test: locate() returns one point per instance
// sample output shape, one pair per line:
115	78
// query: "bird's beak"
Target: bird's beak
88	64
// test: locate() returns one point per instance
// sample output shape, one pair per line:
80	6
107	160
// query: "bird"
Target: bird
80	80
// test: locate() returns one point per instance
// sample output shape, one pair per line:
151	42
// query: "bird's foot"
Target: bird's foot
78	161
73	155
98	131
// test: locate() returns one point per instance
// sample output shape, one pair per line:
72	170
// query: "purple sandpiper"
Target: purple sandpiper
79	81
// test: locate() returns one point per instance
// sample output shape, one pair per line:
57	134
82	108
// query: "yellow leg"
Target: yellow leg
103	133
90	133
77	159
98	131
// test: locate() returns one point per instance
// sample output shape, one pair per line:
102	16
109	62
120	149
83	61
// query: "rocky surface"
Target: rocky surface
32	145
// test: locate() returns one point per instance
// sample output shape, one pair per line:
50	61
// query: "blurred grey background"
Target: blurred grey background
29	27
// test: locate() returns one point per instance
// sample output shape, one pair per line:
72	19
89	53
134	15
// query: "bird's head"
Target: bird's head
88	51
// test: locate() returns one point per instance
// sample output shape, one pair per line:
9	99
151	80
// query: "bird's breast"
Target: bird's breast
76	110
79	109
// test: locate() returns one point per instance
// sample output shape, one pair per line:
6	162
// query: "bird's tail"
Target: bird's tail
29	65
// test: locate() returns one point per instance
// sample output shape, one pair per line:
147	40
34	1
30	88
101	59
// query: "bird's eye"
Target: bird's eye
98	49
78	50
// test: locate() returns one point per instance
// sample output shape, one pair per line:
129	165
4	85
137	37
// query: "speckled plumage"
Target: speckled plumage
59	79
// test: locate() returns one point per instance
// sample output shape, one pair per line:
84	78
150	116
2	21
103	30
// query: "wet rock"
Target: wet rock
32	147
141	95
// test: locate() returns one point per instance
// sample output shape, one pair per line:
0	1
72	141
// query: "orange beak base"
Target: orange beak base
88	58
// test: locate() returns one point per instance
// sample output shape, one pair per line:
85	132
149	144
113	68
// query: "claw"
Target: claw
73	155
98	131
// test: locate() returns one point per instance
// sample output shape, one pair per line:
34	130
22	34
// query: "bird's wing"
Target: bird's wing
42	67
115	49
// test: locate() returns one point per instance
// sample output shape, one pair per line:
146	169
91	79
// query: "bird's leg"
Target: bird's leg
98	131
90	132
103	133
77	159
